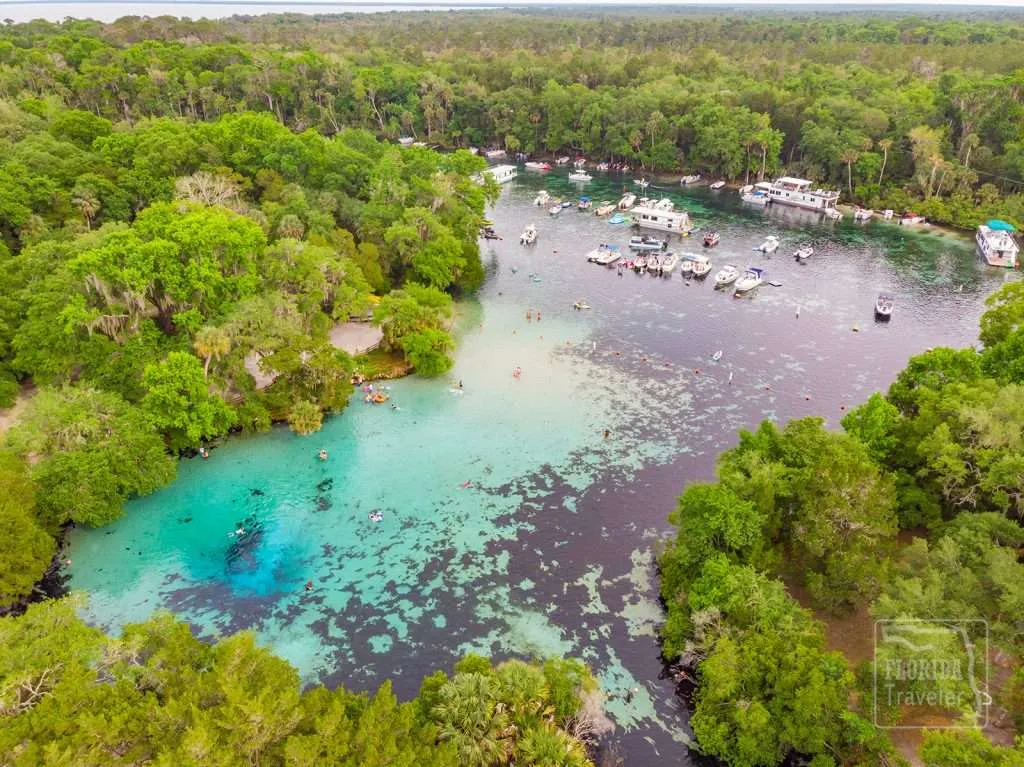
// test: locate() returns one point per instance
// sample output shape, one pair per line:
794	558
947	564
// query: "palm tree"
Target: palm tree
468	715
524	690
88	205
550	747
211	343
885	144
849	157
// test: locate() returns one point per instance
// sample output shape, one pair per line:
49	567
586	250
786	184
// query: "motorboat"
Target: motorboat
750	279
711	239
542	198
580	305
833	214
669	263
537	166
863	214
529	235
883	306
618	218
584	203
643	242
605	208
701	265
803	252
564	160
604	254
566	203
770	244
554	210
717	355
581	176
910	218
643	183
691	179
887	214
640	263
727	275
579	162
654	263
757	194
717	185
686	265
996	244
627	201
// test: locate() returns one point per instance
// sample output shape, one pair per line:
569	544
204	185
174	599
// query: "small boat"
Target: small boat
537	166
717	184
605	208
580	305
563	160
643	183
746	189
618	218
535	278
701	266
717	355
653	263
756	197
529	235
604	254
884	306
567	203
584	203
711	239
643	242
804	251
691	179
995	243
863	214
833	214
910	218
640	263
727	275
542	198
669	263
750	279
488	233
627	201
770	244
887	214
686	265
579	162
554	210
581	176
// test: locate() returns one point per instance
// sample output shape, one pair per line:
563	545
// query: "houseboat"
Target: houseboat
663	220
502	173
798	192
996	244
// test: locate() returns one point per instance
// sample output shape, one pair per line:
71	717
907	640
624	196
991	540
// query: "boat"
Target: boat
488	233
717	355
750	279
996	244
554	210
727	275
887	214
542	198
663	204
604	254
757	194
584	203
711	239
653	263
605	208
580	305
502	173
701	265
640	263
566	203
686	265
529	235
834	214
863	214
910	218
564	160
717	184
643	183
627	201
646	243
579	162
798	192
378	397
495	154
537	166
804	251
691	179
883	306
669	263
618	218
662	220
581	176
769	245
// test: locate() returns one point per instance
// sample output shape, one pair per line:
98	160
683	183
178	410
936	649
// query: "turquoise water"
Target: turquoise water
510	524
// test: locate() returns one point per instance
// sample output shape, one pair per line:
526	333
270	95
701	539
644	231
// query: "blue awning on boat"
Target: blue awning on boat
1000	226
584	199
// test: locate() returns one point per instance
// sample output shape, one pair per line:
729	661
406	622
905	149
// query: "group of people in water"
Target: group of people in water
529	315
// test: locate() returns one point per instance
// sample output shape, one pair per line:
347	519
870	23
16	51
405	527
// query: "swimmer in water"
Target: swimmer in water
607	433
323	454
309	585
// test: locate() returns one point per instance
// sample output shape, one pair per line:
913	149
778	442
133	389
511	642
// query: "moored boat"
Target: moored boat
686	265
910	219
727	275
537	166
640	263
627	201
554	210
653	263
691	179
887	214
701	265
757	194
770	244
711	239
833	213
669	263
996	244
643	183
618	218
863	214
884	305
664	204
605	208
751	279
581	176
604	254
803	252
564	160
646	243
798	192
584	203
529	235
717	184
662	220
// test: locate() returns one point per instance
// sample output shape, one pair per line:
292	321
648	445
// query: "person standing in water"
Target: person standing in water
323	454
529	315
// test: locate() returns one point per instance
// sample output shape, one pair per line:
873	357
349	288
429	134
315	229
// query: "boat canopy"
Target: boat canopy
584	199
1000	226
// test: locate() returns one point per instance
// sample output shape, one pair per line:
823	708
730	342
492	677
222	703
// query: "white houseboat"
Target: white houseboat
651	217
798	192
996	245
502	173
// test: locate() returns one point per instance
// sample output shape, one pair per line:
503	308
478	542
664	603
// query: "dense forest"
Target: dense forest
187	208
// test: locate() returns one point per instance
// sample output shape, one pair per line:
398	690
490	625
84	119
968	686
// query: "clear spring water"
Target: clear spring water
549	548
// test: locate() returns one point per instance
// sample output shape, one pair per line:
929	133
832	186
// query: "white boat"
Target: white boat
883	306
804	251
834	214
640	263
662	220
996	244
554	210
863	214
750	279
606	208
581	176
542	198
604	254
669	263
757	194
529	235
711	239
887	214
769	245
580	305
798	192
717	355
643	183
502	173
537	165
584	203
646	243
691	179
746	189
701	265
562	160
665	204
495	154
717	184
727	275
579	162
910	218
627	201
686	265
654	263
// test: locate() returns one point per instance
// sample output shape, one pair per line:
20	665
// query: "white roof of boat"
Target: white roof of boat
501	168
791	180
